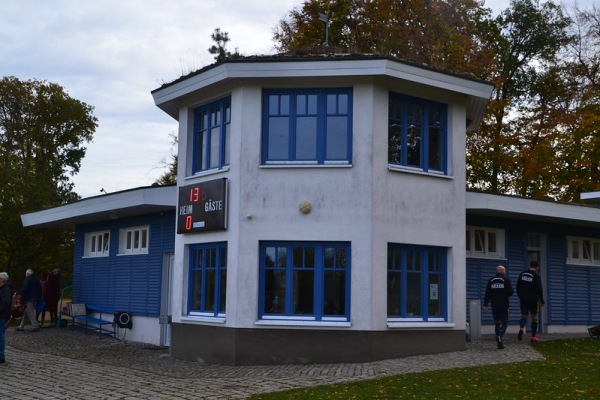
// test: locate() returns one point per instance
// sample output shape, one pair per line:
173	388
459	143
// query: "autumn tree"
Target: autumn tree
439	33
581	147
43	132
541	137
514	144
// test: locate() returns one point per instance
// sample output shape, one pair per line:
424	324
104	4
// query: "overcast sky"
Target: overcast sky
111	54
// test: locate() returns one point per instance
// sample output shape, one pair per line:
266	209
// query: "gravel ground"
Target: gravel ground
152	369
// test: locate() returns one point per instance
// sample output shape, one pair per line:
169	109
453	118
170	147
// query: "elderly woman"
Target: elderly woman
30	293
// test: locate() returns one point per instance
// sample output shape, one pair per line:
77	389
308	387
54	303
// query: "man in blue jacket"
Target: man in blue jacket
5	304
531	298
498	291
30	293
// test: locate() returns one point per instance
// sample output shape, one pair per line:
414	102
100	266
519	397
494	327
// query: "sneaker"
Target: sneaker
500	343
534	339
2	360
520	335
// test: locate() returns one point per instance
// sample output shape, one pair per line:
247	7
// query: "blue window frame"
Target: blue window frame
212	135
305	280
416	282
309	126
417	134
208	279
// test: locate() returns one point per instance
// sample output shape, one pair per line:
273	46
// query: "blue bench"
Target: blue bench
79	314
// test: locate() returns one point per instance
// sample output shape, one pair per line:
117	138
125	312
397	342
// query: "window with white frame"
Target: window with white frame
97	244
416	283
307	126
485	242
582	250
307	281
417	134
212	135
134	240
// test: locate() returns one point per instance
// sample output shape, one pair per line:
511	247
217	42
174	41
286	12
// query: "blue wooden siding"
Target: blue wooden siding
572	292
129	283
555	290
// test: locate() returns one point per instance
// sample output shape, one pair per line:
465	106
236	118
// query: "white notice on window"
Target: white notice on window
433	291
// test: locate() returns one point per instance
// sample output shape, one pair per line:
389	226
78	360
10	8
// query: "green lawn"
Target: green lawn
571	371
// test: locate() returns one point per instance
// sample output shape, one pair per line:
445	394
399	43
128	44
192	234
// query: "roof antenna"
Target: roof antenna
325	18
103	191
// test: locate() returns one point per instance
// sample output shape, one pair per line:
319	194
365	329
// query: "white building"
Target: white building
321	211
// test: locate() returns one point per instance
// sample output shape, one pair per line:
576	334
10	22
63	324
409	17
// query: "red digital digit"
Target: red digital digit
188	223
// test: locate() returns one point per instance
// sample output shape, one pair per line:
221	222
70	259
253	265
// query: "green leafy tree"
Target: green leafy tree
42	136
219	48
519	130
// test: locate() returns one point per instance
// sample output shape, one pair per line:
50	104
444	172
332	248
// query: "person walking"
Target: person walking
498	291
30	293
531	298
5	304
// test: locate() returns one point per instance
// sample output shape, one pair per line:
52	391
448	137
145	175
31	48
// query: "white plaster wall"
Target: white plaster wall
270	196
144	330
413	208
365	204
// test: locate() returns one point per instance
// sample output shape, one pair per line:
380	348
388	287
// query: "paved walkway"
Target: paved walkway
59	363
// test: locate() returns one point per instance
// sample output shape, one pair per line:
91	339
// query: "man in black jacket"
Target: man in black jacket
531	297
31	293
498	291
5	304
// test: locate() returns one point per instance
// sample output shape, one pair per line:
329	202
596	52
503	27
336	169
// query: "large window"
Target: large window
305	281
416	283
211	136
97	244
417	134
208	279
307	126
134	240
485	242
583	250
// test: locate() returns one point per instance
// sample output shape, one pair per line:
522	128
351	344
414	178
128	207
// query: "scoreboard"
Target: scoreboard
202	207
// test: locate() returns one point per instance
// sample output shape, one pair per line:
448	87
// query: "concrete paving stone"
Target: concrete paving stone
60	363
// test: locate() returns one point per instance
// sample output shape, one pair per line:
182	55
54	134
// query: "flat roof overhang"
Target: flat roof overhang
111	206
505	206
168	97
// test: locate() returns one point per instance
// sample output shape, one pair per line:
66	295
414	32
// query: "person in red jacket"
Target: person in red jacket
498	291
531	298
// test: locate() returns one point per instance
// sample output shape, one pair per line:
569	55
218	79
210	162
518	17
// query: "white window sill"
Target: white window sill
303	165
208	172
202	320
312	323
420	325
486	257
418	171
582	263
